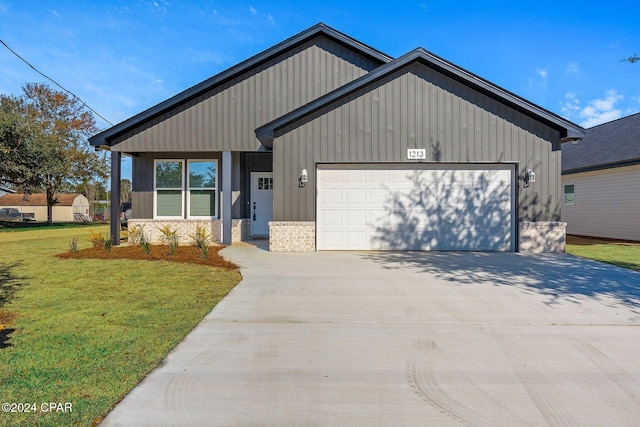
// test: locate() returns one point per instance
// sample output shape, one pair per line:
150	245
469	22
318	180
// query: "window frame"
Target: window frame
564	194
155	188
188	190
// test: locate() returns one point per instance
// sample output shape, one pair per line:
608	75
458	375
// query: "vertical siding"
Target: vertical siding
225	118
607	203
416	107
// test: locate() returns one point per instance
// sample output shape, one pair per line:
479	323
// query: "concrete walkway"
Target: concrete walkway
405	339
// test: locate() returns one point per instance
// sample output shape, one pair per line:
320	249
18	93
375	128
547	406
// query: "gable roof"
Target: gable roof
103	138
568	129
36	199
611	144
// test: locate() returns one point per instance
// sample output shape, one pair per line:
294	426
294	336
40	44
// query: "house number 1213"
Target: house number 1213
416	154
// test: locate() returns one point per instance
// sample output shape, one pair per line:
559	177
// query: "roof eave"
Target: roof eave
266	133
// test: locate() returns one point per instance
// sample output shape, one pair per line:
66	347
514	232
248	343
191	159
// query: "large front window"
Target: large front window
192	191
202	188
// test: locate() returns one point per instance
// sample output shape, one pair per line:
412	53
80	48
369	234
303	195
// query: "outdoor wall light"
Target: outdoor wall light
304	178
529	177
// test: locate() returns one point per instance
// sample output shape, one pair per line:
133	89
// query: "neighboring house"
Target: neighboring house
601	181
322	142
4	191
70	207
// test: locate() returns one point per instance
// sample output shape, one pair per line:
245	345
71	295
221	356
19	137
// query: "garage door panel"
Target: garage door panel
330	196
356	217
331	217
355	196
436	207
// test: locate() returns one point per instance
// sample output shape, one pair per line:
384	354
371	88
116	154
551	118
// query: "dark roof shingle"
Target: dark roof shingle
611	144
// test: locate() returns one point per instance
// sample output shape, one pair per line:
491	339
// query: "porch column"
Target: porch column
226	197
116	158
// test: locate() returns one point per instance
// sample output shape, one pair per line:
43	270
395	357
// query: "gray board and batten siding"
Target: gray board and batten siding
224	118
416	106
225	115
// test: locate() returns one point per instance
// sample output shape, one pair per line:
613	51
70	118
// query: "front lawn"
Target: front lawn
621	253
83	332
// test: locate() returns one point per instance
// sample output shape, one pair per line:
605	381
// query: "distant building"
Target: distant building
601	181
70	207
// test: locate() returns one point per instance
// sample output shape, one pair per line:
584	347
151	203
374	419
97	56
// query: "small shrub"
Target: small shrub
170	237
201	240
144	243
97	240
73	245
108	244
135	233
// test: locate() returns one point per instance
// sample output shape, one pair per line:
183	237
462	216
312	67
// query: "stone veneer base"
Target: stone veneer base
290	236
536	237
187	227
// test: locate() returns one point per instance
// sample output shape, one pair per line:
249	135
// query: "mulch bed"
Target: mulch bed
185	254
573	239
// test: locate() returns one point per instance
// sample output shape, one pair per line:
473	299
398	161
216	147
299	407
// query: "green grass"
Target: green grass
8	226
87	331
622	254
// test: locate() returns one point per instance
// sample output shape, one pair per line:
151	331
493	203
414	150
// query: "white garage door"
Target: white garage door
401	207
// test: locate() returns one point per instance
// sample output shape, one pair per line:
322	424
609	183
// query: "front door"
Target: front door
261	202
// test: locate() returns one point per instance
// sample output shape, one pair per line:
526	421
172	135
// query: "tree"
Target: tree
125	190
44	133
632	59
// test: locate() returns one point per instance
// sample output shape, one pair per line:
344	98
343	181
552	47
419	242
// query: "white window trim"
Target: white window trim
155	189
215	189
564	194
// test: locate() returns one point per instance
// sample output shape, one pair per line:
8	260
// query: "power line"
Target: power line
56	83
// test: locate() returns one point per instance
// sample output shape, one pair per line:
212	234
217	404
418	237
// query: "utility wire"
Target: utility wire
57	84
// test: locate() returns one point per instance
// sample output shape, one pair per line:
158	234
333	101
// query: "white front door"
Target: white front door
261	202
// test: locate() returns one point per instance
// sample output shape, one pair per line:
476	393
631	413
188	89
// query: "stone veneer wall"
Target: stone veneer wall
187	227
288	236
542	237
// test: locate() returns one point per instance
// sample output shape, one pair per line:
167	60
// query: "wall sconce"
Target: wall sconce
529	177
304	178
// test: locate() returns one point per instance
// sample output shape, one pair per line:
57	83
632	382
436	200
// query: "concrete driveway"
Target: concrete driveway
405	339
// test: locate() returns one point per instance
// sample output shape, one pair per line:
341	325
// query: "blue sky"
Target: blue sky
123	57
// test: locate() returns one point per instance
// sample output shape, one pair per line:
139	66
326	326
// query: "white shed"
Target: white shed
70	207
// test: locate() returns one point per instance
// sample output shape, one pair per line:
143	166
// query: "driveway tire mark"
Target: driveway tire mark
618	376
472	405
534	383
430	392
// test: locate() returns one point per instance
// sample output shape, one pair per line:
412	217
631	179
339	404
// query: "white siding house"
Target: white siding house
601	181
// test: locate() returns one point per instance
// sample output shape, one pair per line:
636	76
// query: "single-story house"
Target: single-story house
70	207
601	181
324	143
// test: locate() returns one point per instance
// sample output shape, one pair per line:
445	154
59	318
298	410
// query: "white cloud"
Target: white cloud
270	19
598	111
253	10
543	72
572	67
424	7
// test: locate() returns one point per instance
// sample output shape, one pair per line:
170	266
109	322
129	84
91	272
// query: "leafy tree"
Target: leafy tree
43	139
125	190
